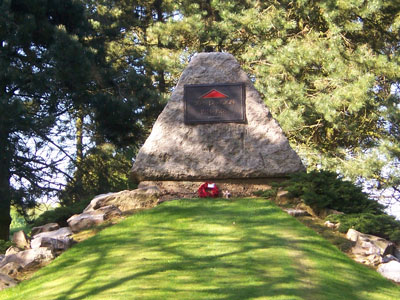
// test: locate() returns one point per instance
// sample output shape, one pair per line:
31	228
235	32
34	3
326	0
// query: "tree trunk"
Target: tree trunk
79	153
5	195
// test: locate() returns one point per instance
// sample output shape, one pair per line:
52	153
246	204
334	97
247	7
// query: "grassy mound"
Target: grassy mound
206	249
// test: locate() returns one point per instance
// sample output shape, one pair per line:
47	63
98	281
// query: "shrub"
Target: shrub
61	214
266	193
324	189
380	225
4	245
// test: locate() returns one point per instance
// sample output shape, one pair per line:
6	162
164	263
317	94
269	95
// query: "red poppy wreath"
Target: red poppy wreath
208	189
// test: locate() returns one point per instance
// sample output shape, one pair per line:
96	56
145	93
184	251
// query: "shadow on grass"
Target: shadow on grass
214	249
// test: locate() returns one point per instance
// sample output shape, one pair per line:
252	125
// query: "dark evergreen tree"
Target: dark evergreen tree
329	72
57	67
44	67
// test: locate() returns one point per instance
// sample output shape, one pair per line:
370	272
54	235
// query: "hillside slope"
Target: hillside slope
205	249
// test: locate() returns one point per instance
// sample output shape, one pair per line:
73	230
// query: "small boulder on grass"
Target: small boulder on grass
20	240
57	240
11	269
29	258
12	250
390	270
91	218
45	228
127	200
6	282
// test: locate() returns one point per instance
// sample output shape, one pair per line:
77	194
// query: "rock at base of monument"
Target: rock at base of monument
6	282
390	270
188	189
297	212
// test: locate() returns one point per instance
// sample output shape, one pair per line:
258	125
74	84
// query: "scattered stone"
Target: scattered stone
20	240
296	212
57	240
126	200
352	235
308	209
58	245
390	270
256	149
12	250
45	228
11	269
389	257
332	225
92	218
370	249
323	213
396	252
29	258
85	221
282	197
6	282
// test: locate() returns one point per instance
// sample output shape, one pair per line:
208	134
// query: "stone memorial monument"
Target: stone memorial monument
215	127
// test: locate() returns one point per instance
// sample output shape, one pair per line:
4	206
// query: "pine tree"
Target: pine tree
329	72
44	69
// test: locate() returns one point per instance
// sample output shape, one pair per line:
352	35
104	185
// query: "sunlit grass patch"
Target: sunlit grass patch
206	249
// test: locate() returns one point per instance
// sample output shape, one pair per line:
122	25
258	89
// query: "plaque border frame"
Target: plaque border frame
243	104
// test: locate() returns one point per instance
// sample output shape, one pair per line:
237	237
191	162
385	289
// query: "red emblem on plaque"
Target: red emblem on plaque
214	94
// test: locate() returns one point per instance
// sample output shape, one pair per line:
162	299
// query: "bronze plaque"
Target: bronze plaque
215	103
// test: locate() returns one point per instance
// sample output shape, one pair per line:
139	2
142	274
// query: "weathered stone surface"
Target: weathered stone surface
6	282
12	250
369	260
126	200
331	225
321	213
297	212
45	228
396	252
390	270
54	240
92	218
369	249
11	269
29	258
177	151
369	244
20	240
58	245
85	221
308	209
352	235
1	257
388	258
283	197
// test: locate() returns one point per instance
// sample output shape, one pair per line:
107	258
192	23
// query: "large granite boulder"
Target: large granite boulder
178	151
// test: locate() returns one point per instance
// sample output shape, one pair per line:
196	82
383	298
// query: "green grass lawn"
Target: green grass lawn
206	249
